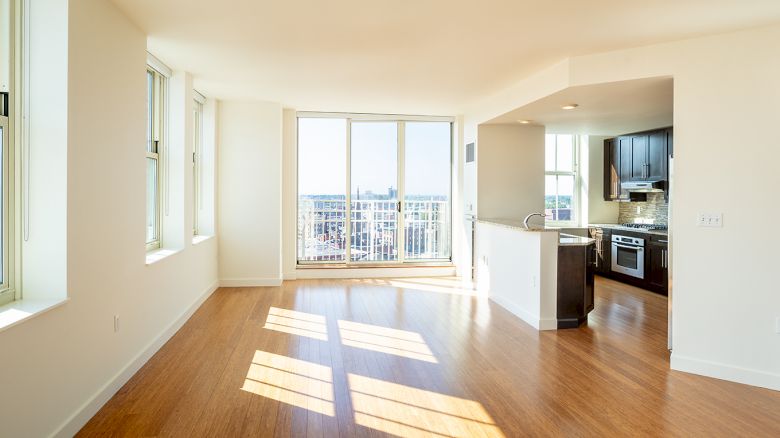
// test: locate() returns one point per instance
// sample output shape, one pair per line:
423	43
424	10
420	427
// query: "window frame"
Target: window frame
11	127
7	290
197	153
401	121
575	173
159	131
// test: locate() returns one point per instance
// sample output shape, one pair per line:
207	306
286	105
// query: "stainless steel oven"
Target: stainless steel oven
628	255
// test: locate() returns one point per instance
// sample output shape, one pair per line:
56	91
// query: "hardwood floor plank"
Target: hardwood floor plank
421	357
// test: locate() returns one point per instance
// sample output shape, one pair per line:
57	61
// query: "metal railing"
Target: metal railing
322	230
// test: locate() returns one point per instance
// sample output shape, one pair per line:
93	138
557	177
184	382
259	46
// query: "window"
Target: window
374	189
155	147
7	156
560	184
197	154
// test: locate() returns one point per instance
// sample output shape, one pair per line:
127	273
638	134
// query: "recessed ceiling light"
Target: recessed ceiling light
525	122
570	106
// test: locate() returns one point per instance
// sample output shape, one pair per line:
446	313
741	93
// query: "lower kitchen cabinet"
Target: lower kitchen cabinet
575	284
657	265
656	275
603	239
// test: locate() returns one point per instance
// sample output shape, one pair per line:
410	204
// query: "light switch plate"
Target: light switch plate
777	325
712	220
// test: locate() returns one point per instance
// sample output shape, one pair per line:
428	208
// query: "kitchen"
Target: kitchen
635	249
606	186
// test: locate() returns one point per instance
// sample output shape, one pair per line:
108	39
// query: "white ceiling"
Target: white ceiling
407	56
605	109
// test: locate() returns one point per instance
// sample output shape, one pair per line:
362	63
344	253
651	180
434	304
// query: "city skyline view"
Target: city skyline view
374	226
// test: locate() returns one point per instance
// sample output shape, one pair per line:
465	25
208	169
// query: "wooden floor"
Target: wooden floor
422	357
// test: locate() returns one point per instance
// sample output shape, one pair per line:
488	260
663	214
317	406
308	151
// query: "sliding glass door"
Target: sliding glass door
374	208
322	194
427	164
373	189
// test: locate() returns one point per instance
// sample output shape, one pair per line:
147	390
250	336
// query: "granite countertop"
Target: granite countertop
516	224
564	240
635	230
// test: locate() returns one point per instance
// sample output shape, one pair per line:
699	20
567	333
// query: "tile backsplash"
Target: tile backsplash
654	211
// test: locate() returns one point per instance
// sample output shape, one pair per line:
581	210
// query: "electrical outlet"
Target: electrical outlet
533	281
116	323
712	220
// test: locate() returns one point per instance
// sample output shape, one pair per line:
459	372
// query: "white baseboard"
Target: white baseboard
395	272
725	372
250	282
534	320
548	324
76	421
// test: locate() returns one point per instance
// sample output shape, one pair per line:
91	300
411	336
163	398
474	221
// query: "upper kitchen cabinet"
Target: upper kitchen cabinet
636	157
648	156
657	156
611	169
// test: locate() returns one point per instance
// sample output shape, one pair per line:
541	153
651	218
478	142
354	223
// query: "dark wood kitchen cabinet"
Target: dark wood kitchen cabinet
638	158
603	238
611	170
657	265
648	156
617	162
642	156
575	285
657	156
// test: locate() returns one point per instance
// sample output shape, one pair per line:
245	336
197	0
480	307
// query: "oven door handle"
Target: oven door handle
638	248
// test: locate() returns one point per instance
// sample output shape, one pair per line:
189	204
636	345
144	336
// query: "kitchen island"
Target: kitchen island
540	275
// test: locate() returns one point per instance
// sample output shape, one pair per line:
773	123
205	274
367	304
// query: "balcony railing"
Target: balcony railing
322	230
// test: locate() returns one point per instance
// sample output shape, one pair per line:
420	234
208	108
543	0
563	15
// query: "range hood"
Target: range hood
643	186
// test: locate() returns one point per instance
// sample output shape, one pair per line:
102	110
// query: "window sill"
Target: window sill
200	239
19	311
157	255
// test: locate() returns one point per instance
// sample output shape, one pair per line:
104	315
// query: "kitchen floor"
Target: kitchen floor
423	357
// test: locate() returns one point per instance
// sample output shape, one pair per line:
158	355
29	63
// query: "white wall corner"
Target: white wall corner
75	422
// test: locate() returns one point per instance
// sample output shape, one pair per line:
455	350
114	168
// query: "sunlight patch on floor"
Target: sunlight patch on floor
292	381
297	323
406	411
385	340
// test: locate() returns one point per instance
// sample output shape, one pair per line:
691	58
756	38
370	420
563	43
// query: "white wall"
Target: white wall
59	367
510	171
519	271
599	211
250	188
725	95
289	193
